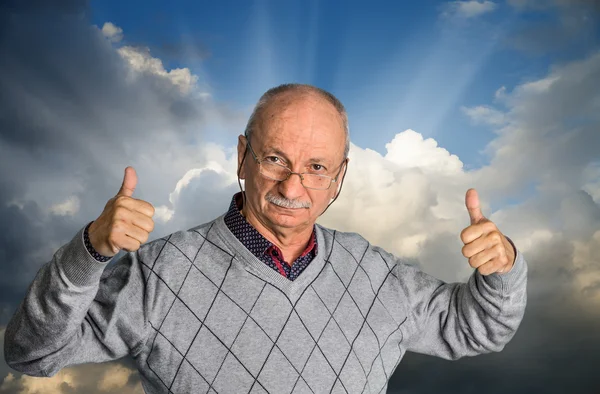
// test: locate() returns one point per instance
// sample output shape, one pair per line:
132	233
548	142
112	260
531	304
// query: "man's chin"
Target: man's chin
289	218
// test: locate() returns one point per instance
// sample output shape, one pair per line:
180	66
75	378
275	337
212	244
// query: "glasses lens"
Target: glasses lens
278	172
274	171
314	181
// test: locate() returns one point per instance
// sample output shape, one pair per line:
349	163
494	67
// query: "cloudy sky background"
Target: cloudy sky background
442	96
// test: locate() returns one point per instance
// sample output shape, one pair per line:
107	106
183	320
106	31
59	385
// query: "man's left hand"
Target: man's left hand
486	247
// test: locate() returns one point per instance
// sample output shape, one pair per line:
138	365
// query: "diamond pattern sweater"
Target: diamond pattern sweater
199	313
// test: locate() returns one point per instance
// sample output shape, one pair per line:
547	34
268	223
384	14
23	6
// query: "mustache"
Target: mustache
287	203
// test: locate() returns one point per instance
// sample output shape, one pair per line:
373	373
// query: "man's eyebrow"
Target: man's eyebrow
278	152
272	149
319	160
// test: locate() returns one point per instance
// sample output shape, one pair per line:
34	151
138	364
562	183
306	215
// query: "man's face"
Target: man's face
305	134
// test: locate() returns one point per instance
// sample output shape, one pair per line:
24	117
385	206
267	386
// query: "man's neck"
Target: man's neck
291	242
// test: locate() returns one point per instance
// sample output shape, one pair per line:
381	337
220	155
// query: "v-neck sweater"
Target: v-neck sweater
199	313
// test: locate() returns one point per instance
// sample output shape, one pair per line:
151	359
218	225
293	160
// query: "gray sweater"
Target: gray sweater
199	313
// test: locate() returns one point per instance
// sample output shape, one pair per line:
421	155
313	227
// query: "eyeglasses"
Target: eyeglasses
280	173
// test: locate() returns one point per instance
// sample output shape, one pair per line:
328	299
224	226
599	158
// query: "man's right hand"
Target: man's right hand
125	223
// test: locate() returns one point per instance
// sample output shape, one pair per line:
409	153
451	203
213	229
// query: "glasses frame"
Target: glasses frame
290	172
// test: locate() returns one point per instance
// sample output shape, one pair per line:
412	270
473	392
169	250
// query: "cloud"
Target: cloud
468	9
409	150
112	32
484	114
68	207
141	61
104	378
558	24
545	4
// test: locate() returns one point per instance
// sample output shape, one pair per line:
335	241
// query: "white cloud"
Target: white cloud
409	201
500	94
408	149
112	32
538	86
140	60
68	207
485	114
468	9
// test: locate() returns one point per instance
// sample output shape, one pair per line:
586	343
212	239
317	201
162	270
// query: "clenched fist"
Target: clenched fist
487	249
125	223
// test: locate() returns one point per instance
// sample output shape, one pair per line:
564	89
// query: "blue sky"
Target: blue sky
395	65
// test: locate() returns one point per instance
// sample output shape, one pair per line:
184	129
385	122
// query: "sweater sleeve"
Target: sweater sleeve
76	311
453	320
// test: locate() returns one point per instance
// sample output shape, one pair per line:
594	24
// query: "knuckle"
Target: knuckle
120	199
496	236
473	262
463	236
118	213
117	225
489	225
112	240
122	213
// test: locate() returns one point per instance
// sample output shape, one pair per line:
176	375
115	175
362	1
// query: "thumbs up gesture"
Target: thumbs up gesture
125	223
487	249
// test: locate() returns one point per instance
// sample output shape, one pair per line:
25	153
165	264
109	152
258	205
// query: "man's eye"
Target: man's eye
273	159
317	167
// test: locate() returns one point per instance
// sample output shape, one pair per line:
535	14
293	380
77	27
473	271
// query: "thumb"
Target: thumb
472	203
129	182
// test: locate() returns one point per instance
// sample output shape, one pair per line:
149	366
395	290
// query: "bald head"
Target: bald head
279	97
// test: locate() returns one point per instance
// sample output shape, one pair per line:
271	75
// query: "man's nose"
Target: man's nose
292	187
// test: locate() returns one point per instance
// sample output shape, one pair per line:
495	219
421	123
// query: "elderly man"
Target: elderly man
262	299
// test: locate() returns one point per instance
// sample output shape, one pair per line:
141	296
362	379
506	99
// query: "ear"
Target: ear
241	150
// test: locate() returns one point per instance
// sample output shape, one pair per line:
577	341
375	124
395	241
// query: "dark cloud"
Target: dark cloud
560	25
113	377
63	7
587	5
592	289
556	350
